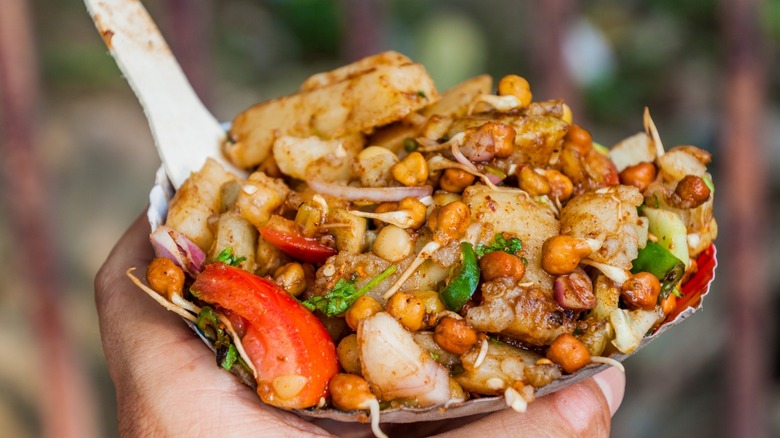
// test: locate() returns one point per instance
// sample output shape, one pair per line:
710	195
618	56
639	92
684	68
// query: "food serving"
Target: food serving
394	248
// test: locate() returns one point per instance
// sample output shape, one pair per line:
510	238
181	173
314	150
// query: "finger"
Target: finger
166	379
581	410
613	385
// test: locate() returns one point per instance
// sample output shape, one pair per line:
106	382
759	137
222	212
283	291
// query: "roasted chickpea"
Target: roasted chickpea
516	86
407	309
561	186
561	254
532	182
503	138
350	392
431	301
580	138
454	335
384	207
443	198
451	221
347	352
165	278
489	140
373	166
568	352
455	180
416	209
669	304
392	243
639	175
411	171
691	192
641	291
364	307
291	278
498	264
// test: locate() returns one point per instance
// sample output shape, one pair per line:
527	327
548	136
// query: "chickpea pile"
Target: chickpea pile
474	153
451	224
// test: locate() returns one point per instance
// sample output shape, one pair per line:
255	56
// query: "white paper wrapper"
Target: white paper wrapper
162	193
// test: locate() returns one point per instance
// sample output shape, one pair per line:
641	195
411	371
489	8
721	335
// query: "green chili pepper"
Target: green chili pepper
209	325
227	354
227	357
462	287
657	260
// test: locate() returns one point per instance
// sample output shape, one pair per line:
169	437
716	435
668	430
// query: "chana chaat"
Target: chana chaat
393	247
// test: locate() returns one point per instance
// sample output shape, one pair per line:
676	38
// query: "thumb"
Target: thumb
581	410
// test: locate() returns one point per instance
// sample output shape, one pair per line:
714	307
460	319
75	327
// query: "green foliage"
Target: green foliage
344	293
512	245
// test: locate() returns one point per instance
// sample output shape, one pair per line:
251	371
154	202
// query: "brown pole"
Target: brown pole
744	186
362	28
66	408
554	16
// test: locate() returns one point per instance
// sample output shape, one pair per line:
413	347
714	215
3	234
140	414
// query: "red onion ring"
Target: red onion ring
173	245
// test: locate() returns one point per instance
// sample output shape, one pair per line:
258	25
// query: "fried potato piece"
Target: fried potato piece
538	136
314	158
609	213
236	233
196	200
357	68
522	311
520	216
375	98
455	101
260	197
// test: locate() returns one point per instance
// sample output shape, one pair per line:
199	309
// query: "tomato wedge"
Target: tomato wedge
294	356
300	247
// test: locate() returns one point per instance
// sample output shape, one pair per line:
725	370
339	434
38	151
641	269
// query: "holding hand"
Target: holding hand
168	385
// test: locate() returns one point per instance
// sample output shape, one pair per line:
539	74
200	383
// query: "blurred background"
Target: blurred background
77	163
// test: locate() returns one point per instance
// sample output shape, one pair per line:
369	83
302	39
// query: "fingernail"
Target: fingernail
612	383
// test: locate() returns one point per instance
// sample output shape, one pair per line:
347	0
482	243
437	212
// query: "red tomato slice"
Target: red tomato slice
294	356
302	248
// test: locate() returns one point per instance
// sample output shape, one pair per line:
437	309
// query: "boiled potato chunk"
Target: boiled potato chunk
375	98
357	68
456	100
196	200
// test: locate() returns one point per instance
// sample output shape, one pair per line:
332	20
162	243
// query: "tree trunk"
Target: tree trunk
66	408
744	187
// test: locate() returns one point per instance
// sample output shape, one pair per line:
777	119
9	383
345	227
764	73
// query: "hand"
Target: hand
168	384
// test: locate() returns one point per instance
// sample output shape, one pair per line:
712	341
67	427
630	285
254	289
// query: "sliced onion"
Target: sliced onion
618	275
493	178
478	153
574	291
378	194
462	158
175	246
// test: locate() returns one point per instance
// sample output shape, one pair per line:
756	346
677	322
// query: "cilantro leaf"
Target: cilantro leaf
344	293
512	245
227	257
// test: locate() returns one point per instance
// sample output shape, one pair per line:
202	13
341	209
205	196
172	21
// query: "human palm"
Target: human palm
167	383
